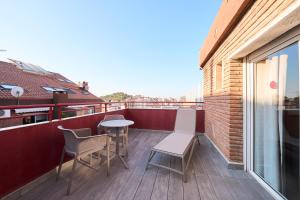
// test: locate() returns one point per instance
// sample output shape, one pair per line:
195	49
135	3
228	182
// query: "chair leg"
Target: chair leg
60	163
123	141
72	175
108	156
126	145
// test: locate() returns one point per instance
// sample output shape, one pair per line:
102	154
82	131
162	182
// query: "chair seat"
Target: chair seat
176	144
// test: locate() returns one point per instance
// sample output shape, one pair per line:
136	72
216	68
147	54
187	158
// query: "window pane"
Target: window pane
276	121
49	89
7	87
219	76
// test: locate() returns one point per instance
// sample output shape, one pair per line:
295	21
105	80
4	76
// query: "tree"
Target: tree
117	96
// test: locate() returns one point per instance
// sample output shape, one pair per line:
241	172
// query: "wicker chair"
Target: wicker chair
80	143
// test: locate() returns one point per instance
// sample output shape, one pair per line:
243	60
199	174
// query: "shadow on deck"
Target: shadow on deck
208	177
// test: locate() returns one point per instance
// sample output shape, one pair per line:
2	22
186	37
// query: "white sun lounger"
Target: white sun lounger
180	142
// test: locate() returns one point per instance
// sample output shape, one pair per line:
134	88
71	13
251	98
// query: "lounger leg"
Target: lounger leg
91	159
183	169
149	158
198	140
191	152
152	153
60	163
72	174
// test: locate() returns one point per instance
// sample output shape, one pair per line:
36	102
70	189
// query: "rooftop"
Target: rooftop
37	82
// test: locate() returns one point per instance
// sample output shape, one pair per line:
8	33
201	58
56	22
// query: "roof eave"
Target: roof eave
244	7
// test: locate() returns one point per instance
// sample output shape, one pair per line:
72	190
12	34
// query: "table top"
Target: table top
117	123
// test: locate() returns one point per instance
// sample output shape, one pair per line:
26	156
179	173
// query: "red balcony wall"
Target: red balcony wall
155	119
31	151
200	118
158	119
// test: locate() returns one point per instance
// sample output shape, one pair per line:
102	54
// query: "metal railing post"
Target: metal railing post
50	114
59	112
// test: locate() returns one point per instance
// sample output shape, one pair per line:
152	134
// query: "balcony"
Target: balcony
31	153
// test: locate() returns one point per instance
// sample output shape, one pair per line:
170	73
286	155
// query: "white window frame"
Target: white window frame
248	86
54	89
49	89
7	86
222	77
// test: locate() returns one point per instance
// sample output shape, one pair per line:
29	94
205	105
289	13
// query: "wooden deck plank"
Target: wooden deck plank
145	188
208	177
128	190
100	184
205	187
121	179
190	188
161	185
175	191
249	192
221	187
80	184
215	158
207	164
234	187
254	186
206	190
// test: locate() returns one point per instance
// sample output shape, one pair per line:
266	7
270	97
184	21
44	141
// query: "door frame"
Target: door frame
287	39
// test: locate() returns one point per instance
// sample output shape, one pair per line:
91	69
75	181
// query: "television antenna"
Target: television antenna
17	92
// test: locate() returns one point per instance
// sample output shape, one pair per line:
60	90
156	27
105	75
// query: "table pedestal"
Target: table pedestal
118	148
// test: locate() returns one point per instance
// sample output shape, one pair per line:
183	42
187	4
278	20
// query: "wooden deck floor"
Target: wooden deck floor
208	178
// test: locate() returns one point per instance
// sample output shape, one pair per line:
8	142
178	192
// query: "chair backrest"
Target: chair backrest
101	129
70	139
185	120
113	117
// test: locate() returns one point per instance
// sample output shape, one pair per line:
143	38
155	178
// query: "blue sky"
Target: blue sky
148	47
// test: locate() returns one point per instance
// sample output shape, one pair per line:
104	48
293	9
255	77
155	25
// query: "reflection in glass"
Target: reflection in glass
276	121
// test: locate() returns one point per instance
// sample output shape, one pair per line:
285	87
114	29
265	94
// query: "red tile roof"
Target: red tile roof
33	83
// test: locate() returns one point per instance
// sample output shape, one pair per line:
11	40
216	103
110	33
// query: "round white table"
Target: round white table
117	124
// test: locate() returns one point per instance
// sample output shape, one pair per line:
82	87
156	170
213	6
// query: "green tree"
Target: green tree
117	96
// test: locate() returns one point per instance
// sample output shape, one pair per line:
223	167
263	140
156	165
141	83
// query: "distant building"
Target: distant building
196	94
139	101
40	87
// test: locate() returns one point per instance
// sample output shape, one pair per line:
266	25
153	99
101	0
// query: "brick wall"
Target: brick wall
224	108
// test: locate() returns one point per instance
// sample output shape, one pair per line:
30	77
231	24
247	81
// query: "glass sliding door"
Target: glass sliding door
276	121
